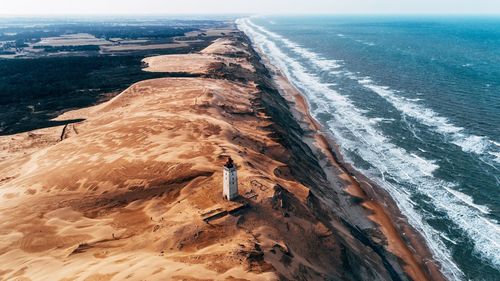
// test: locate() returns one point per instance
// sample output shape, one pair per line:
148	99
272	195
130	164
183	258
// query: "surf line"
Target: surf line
356	188
425	116
460	213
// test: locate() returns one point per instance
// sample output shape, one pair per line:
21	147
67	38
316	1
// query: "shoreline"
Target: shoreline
299	223
379	206
144	175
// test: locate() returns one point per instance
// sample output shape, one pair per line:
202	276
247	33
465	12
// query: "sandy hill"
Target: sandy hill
134	192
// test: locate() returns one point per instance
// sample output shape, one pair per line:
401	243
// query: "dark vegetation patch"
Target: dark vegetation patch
36	89
55	49
33	91
129	29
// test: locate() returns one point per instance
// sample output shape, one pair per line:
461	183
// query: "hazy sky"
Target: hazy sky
12	7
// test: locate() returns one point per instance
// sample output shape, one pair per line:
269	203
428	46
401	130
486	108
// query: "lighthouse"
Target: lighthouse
230	185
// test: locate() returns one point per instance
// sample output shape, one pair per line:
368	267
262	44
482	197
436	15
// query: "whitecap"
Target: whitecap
478	145
496	156
468	200
355	133
448	239
474	144
367	43
495	143
410	107
382	120
350	120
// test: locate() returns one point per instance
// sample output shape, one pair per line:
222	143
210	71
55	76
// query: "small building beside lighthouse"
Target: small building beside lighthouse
230	181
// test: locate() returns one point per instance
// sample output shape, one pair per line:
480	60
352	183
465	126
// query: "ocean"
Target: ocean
414	104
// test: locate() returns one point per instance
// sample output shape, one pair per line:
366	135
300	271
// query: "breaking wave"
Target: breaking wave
401	173
478	145
468	143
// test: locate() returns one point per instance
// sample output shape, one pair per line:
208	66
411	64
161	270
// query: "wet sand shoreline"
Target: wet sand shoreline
404	240
129	187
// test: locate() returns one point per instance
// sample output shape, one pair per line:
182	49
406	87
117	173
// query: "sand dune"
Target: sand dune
222	51
147	164
134	191
125	197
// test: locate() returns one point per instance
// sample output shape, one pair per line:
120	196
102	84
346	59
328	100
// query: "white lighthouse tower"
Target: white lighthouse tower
230	185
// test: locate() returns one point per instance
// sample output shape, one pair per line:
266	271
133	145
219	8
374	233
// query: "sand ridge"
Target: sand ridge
147	165
221	51
125	194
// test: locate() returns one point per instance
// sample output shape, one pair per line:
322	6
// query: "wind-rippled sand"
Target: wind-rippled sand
123	195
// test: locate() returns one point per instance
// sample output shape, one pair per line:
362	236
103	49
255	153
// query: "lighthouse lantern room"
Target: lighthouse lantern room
230	185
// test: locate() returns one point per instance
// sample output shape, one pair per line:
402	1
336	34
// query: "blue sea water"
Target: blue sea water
414	103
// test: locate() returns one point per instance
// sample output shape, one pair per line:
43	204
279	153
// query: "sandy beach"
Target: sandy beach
133	192
380	207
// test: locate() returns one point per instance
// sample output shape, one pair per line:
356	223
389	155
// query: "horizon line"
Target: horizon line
244	14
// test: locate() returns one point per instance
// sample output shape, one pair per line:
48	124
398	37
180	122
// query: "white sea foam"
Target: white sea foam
478	145
365	42
474	144
382	120
468	143
355	133
410	107
448	239
322	63
468	200
496	155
